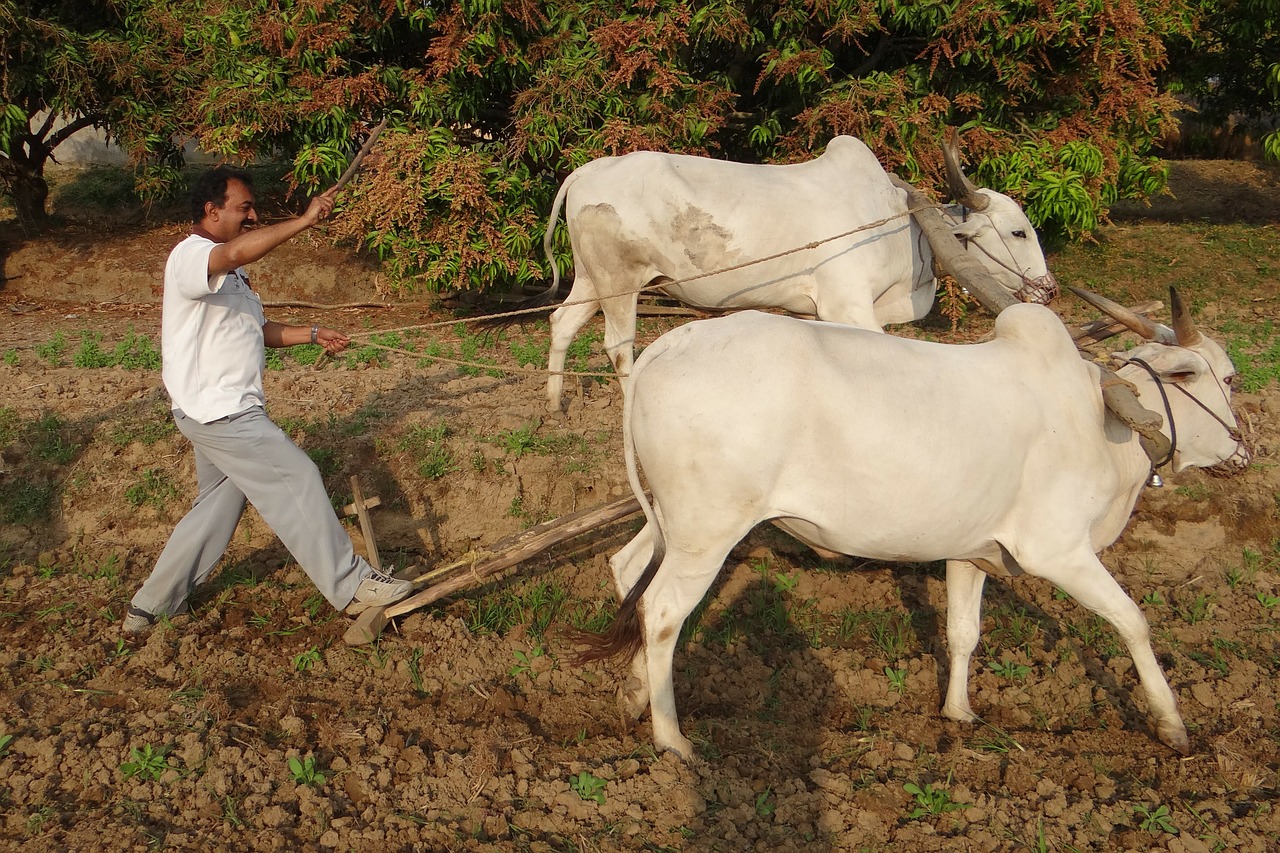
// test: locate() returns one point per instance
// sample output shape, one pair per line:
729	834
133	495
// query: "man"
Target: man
212	336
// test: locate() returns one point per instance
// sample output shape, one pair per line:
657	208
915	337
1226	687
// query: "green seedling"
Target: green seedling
1011	670
765	806
1267	600
303	661
588	786
897	679
5	740
147	763
524	662
930	801
1155	820
304	771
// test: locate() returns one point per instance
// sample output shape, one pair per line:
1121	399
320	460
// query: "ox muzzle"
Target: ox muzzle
1040	290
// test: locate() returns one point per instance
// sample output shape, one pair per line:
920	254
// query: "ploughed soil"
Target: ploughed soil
811	688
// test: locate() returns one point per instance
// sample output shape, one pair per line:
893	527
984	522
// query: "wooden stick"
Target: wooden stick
366	526
360	155
503	555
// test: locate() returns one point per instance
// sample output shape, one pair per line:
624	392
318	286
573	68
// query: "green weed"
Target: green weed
588	786
524	661
930	801
765	804
147	763
897	679
9	429
5	740
135	352
25	502
156	490
1011	670
426	446
530	352
305	772
48	439
53	350
303	661
1196	610
1155	819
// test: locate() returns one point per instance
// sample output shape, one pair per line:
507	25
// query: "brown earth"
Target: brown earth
459	731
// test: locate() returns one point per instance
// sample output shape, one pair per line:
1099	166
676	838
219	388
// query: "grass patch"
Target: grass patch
156	489
426	445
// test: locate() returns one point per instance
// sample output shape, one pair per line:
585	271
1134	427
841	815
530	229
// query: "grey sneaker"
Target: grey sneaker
137	621
378	589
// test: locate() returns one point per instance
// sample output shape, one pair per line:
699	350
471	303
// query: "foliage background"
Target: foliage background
493	103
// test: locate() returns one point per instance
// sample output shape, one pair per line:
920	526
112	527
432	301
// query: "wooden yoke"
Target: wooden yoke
1118	395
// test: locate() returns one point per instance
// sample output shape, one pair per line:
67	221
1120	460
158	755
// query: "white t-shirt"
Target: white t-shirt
210	336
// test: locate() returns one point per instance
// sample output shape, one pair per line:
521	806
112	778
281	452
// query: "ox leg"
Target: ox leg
566	321
1087	581
620	331
680	584
964	624
627	566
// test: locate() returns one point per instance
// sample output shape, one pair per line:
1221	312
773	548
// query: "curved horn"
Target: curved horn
1184	329
1135	322
962	189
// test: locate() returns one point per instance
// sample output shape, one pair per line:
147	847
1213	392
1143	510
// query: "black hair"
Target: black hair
212	186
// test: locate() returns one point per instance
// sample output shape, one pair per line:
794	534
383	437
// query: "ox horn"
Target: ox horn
1184	329
962	189
1135	322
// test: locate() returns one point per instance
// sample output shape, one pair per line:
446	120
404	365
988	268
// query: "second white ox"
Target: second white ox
996	457
649	218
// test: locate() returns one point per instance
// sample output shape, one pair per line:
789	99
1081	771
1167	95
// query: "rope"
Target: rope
675	282
910	211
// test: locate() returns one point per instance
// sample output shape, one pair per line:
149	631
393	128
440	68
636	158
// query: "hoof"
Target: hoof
681	749
1174	735
960	715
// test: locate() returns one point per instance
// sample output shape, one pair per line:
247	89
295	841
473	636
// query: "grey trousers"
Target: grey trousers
247	457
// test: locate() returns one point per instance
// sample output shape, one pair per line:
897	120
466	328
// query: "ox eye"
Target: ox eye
1020	234
1229	380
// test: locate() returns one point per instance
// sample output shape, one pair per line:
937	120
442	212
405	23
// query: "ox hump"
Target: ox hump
1035	327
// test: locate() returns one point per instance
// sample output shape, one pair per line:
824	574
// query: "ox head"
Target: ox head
1195	375
993	225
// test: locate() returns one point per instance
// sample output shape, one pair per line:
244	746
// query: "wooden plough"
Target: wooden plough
474	567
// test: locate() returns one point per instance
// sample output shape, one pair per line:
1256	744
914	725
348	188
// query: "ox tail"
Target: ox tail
625	637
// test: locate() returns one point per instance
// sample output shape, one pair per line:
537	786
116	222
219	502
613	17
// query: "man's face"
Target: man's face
236	216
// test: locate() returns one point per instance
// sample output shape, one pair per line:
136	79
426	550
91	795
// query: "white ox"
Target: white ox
648	219
996	457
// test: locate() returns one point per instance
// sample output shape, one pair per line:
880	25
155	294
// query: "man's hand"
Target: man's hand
332	340
321	206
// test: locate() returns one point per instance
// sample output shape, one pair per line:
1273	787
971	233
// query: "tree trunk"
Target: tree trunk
22	175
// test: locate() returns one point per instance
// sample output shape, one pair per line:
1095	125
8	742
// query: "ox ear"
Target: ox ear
1173	364
970	228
